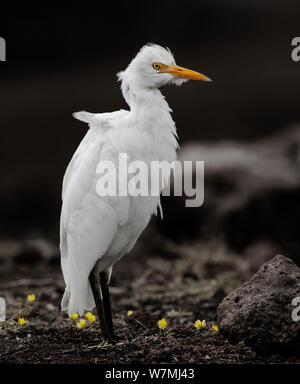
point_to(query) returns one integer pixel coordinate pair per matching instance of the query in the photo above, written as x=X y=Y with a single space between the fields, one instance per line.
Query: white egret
x=95 y=231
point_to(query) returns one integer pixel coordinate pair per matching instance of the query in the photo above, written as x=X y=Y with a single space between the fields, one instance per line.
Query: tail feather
x=78 y=295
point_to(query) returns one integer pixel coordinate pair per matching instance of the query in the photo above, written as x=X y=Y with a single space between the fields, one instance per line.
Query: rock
x=34 y=251
x=250 y=189
x=27 y=254
x=260 y=311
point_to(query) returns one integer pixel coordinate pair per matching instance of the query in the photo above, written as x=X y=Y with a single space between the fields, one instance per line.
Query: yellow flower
x=130 y=312
x=81 y=323
x=74 y=316
x=31 y=298
x=162 y=323
x=200 y=324
x=90 y=317
x=215 y=328
x=22 y=321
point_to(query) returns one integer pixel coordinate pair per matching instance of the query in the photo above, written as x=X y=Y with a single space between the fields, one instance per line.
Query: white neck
x=149 y=109
x=136 y=96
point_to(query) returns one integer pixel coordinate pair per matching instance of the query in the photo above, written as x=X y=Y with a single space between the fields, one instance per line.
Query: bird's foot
x=119 y=338
x=114 y=339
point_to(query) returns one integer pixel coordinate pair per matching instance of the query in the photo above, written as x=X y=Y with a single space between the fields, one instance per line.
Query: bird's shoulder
x=102 y=120
x=91 y=146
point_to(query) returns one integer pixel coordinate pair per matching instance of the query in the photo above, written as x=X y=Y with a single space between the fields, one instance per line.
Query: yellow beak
x=184 y=73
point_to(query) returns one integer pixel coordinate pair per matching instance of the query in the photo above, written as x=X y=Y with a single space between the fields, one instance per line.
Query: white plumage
x=96 y=228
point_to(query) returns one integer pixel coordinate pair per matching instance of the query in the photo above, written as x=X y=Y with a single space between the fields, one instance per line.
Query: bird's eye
x=156 y=66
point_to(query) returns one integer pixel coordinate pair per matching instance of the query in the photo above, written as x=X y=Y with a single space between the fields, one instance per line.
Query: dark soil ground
x=179 y=283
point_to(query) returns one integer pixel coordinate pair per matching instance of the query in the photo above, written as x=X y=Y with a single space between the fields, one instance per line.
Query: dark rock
x=27 y=254
x=260 y=311
x=250 y=190
x=273 y=215
x=33 y=251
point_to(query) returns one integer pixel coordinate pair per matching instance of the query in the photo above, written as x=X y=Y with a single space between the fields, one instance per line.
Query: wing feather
x=88 y=222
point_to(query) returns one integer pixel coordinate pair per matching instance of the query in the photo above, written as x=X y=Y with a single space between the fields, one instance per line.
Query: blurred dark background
x=64 y=58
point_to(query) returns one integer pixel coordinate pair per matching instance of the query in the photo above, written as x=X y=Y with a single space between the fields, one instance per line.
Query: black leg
x=106 y=303
x=95 y=285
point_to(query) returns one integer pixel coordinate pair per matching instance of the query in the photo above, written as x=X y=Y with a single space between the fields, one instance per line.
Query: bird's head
x=155 y=66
